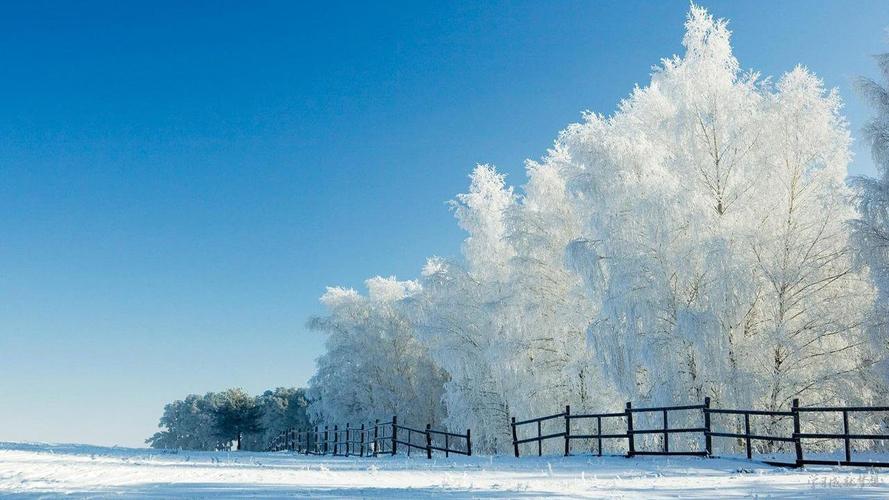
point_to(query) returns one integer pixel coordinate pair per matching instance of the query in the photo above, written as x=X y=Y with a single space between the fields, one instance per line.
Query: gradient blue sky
x=180 y=180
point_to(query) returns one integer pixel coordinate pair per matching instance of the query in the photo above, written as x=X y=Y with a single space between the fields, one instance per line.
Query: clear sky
x=179 y=181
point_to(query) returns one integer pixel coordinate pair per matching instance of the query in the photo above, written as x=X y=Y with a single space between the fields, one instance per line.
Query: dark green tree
x=237 y=414
x=283 y=408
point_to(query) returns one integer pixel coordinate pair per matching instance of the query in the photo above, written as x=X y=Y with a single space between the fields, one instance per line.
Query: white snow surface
x=48 y=471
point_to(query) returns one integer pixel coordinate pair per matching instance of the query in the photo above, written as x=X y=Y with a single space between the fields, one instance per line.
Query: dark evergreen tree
x=237 y=414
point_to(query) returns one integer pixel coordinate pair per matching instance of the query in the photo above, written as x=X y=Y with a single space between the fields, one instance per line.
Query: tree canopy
x=695 y=243
x=216 y=420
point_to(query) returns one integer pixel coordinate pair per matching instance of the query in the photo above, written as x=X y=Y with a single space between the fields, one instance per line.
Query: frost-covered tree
x=695 y=243
x=717 y=219
x=509 y=326
x=374 y=367
x=281 y=409
x=872 y=227
x=189 y=424
x=213 y=421
x=460 y=313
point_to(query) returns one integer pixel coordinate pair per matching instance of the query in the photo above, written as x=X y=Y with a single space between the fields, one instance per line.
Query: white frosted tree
x=189 y=424
x=509 y=325
x=374 y=366
x=872 y=227
x=461 y=315
x=550 y=308
x=696 y=243
x=717 y=224
x=816 y=299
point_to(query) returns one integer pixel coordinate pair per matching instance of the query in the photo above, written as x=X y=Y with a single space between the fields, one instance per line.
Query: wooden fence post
x=846 y=442
x=314 y=441
x=515 y=445
x=747 y=436
x=567 y=430
x=708 y=439
x=394 y=433
x=376 y=434
x=428 y=442
x=361 y=452
x=794 y=408
x=348 y=439
x=468 y=443
x=539 y=441
x=599 y=434
x=336 y=440
x=631 y=448
x=326 y=439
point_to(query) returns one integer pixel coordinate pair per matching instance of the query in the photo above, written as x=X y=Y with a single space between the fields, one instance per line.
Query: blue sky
x=179 y=181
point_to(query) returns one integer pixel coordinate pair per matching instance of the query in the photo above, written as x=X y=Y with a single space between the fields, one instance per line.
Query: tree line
x=230 y=419
x=701 y=241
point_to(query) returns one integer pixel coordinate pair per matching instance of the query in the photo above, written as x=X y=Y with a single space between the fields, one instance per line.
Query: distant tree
x=212 y=421
x=189 y=424
x=281 y=409
x=237 y=414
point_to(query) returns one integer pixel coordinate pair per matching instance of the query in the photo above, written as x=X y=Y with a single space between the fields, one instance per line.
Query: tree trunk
x=239 y=440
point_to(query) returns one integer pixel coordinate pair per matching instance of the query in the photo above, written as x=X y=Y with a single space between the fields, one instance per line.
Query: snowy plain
x=81 y=471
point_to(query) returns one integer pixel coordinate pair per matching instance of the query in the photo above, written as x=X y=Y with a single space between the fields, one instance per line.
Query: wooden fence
x=371 y=440
x=707 y=430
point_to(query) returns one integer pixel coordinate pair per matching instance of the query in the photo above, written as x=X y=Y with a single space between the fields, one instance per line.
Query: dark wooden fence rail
x=665 y=429
x=371 y=440
x=747 y=436
x=705 y=431
x=846 y=436
x=598 y=436
x=540 y=438
x=407 y=439
x=448 y=438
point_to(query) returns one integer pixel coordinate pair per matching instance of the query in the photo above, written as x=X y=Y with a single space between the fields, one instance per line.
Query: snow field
x=40 y=470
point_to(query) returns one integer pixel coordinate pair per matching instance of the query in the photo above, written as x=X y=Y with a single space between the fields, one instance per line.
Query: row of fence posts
x=796 y=437
x=322 y=444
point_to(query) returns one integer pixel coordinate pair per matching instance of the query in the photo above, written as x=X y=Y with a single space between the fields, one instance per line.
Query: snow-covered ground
x=37 y=470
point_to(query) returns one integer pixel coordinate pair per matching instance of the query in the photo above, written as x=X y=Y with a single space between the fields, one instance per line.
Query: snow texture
x=42 y=470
